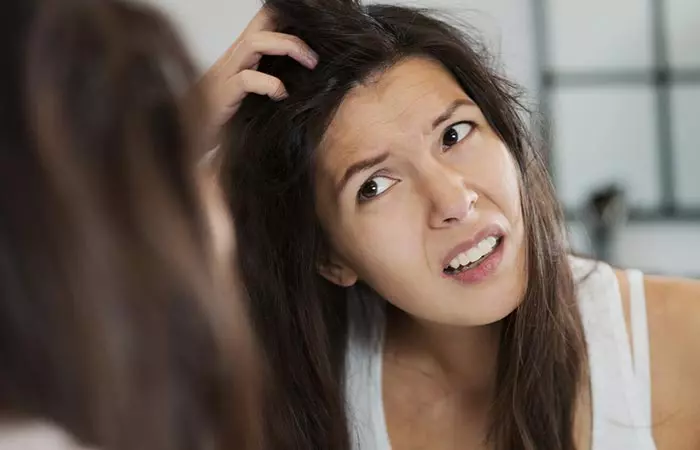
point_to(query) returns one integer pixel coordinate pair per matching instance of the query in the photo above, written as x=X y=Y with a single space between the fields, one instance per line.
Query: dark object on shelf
x=605 y=213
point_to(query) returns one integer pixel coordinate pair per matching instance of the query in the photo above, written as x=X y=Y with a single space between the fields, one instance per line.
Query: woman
x=118 y=329
x=400 y=242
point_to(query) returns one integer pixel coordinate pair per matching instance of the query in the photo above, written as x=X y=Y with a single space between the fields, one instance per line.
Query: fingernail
x=312 y=57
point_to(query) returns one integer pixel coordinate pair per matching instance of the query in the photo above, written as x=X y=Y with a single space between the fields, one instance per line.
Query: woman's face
x=420 y=199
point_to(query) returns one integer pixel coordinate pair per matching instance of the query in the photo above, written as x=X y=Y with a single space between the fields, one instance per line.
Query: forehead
x=403 y=100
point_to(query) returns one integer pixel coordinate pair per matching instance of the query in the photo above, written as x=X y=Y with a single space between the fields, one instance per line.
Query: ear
x=337 y=272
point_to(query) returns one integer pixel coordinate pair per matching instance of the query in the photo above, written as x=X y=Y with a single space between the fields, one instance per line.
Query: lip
x=494 y=230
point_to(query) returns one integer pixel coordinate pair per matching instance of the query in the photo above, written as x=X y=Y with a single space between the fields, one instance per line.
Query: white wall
x=661 y=247
x=210 y=26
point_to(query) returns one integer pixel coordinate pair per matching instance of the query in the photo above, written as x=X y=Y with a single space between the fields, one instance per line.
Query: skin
x=436 y=196
x=436 y=391
x=432 y=197
x=673 y=315
x=234 y=75
x=218 y=218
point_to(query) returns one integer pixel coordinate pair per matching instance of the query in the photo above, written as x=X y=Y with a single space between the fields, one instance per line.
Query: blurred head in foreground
x=118 y=322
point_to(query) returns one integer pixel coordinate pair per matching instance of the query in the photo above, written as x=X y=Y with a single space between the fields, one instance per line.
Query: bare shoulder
x=673 y=314
x=665 y=292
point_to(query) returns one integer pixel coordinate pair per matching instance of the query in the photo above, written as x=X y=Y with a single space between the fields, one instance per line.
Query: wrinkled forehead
x=397 y=104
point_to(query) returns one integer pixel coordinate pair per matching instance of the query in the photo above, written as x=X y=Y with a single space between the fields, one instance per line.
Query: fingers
x=235 y=74
x=227 y=97
x=262 y=21
x=278 y=44
x=232 y=93
x=253 y=82
x=229 y=61
x=248 y=50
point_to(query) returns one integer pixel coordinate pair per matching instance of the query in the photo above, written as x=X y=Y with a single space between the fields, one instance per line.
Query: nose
x=451 y=199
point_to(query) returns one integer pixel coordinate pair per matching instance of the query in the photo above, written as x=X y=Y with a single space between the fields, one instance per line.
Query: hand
x=235 y=73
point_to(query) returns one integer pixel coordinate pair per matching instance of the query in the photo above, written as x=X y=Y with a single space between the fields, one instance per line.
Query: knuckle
x=245 y=77
x=245 y=45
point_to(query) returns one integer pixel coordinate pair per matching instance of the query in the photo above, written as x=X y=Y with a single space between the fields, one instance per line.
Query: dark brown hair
x=302 y=319
x=113 y=323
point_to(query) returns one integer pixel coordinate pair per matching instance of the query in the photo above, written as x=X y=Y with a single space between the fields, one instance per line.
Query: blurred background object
x=618 y=88
x=604 y=215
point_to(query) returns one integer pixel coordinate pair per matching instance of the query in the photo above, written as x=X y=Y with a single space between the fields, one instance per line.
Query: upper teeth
x=475 y=253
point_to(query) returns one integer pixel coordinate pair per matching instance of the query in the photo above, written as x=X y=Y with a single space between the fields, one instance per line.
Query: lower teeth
x=468 y=266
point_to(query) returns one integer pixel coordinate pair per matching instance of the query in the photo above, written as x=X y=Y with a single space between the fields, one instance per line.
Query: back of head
x=300 y=316
x=114 y=323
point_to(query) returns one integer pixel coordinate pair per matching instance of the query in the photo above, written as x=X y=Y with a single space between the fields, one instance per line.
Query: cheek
x=383 y=244
x=503 y=182
x=391 y=261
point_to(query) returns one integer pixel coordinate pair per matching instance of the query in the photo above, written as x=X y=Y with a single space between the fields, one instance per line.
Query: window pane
x=605 y=135
x=599 y=34
x=686 y=123
x=683 y=25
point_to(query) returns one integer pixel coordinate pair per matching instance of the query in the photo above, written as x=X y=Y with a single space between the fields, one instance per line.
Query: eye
x=455 y=133
x=375 y=187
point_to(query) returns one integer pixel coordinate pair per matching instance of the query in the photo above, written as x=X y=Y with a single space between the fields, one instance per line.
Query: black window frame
x=660 y=77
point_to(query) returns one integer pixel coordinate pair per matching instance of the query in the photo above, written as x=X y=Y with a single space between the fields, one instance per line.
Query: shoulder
x=673 y=316
x=35 y=436
x=673 y=295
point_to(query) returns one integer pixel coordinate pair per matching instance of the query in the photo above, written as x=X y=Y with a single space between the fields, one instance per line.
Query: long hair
x=301 y=318
x=114 y=325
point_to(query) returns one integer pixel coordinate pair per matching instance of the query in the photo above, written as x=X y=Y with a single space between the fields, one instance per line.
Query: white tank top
x=620 y=389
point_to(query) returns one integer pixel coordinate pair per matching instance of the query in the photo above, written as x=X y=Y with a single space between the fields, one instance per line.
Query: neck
x=465 y=358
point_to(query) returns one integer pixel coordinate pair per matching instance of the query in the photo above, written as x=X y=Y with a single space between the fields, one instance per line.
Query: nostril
x=452 y=201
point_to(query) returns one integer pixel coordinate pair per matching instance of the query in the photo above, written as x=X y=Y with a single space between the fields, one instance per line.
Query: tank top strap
x=618 y=419
x=640 y=343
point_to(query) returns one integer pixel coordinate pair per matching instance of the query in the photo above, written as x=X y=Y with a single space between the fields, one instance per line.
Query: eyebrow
x=371 y=162
x=451 y=110
x=359 y=167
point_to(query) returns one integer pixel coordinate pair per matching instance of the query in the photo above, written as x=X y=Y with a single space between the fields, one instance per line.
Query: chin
x=483 y=314
x=479 y=306
x=488 y=301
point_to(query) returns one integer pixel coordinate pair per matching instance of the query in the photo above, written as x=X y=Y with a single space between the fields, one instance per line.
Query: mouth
x=473 y=256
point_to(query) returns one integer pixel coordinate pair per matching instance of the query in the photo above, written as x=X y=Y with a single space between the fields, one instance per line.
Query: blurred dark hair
x=114 y=325
x=302 y=319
